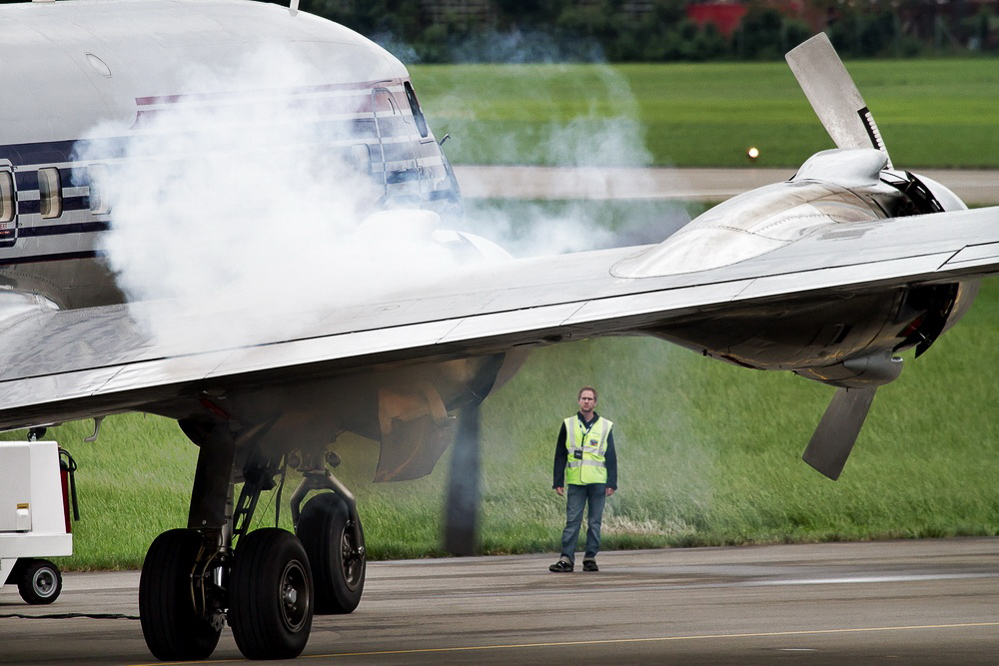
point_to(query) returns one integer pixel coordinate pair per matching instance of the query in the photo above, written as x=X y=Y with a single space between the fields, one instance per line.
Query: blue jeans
x=576 y=496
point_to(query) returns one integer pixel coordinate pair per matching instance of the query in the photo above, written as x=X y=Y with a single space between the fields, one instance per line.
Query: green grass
x=709 y=455
x=932 y=113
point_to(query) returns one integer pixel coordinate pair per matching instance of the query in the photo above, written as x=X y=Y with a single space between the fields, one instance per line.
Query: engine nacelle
x=921 y=195
x=931 y=196
x=861 y=372
x=942 y=194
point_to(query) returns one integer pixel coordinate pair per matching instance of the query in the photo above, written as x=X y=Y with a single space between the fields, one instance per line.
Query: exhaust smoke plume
x=235 y=203
x=593 y=127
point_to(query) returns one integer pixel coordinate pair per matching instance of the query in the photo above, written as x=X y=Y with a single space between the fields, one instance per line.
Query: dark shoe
x=590 y=565
x=561 y=567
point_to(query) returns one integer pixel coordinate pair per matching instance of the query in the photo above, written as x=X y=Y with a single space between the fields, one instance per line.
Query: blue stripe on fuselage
x=41 y=258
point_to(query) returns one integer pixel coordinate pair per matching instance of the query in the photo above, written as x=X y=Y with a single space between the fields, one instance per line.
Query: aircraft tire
x=328 y=537
x=172 y=627
x=39 y=582
x=270 y=595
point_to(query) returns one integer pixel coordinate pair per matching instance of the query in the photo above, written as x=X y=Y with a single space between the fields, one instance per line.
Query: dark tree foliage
x=531 y=31
x=624 y=30
x=766 y=34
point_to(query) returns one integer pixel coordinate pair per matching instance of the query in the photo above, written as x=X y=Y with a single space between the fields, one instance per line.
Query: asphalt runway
x=906 y=602
x=974 y=187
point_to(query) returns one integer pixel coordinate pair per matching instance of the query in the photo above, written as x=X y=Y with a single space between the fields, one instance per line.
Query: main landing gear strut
x=266 y=584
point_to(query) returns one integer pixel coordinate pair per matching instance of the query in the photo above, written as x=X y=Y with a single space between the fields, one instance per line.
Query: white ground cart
x=34 y=517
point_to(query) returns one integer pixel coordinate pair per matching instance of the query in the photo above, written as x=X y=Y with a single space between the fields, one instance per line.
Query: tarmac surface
x=974 y=187
x=906 y=602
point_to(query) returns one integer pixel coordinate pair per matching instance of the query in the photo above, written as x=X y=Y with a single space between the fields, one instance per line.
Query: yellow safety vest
x=590 y=466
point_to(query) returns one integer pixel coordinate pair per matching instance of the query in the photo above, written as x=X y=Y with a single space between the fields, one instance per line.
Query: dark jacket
x=562 y=456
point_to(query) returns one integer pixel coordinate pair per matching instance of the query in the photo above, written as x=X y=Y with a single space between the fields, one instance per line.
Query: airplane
x=115 y=112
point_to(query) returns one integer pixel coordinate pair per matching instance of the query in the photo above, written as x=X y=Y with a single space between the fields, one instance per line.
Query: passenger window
x=97 y=180
x=50 y=192
x=6 y=196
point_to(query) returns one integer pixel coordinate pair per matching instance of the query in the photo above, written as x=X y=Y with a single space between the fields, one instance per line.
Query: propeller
x=834 y=96
x=461 y=510
x=837 y=432
x=844 y=113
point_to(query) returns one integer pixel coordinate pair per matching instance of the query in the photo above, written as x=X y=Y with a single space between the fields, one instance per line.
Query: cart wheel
x=40 y=582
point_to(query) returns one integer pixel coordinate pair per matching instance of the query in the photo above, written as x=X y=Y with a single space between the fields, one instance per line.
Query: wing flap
x=974 y=255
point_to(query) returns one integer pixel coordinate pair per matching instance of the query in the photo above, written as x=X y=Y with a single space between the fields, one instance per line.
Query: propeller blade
x=834 y=96
x=462 y=509
x=837 y=432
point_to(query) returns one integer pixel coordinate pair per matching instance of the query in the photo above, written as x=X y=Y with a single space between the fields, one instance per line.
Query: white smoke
x=601 y=138
x=234 y=203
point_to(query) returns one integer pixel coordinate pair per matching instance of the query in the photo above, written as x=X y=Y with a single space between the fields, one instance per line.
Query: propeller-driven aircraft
x=828 y=275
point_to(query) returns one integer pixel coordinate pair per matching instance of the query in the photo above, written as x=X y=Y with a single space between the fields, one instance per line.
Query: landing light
x=753 y=152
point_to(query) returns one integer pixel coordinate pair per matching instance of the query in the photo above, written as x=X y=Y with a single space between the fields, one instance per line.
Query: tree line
x=656 y=30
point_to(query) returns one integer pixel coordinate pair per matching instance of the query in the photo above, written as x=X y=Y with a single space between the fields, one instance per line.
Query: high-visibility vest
x=590 y=466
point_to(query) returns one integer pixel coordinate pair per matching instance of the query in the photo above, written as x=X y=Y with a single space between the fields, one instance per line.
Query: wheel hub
x=350 y=557
x=294 y=596
x=44 y=583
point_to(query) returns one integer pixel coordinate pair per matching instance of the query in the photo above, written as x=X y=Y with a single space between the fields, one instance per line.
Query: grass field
x=709 y=454
x=932 y=113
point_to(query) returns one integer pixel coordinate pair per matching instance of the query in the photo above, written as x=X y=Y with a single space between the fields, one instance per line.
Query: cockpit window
x=6 y=196
x=414 y=105
x=50 y=192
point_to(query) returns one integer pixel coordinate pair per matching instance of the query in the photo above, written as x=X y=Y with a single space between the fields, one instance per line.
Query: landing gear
x=174 y=628
x=336 y=552
x=330 y=530
x=182 y=599
x=261 y=582
x=39 y=582
x=270 y=595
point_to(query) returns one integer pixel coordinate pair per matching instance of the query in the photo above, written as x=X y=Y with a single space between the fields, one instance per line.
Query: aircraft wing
x=62 y=365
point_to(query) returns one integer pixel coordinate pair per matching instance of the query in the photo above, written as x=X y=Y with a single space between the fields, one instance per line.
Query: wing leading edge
x=74 y=364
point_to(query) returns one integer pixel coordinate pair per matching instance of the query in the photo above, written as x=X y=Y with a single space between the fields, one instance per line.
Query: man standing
x=586 y=463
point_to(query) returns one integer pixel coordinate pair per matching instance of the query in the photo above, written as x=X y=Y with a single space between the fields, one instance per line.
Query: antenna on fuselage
x=293 y=7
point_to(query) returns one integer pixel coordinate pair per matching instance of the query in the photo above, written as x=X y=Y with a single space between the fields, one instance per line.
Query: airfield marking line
x=614 y=641
x=618 y=641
